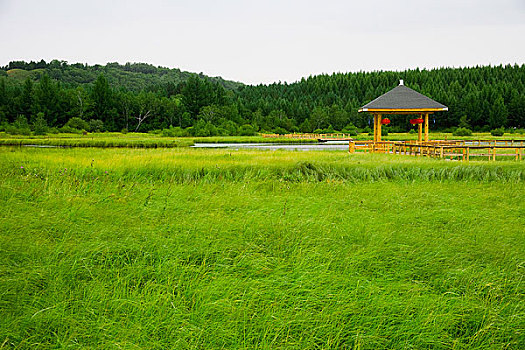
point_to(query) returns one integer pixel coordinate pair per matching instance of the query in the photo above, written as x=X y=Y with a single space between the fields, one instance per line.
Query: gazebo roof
x=403 y=99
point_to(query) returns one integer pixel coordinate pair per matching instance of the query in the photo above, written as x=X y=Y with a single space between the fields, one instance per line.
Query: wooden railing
x=461 y=150
x=335 y=136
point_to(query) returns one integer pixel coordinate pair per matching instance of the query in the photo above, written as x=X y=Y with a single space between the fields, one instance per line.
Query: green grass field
x=213 y=248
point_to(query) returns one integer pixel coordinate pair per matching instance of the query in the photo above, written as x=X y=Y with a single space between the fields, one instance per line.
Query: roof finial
x=400 y=81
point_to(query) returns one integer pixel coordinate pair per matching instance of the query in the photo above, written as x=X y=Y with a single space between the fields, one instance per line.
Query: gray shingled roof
x=402 y=97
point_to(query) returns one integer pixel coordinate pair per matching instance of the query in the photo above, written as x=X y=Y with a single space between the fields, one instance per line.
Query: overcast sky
x=267 y=40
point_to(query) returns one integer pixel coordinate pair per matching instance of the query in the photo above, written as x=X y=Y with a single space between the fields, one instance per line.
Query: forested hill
x=132 y=76
x=142 y=97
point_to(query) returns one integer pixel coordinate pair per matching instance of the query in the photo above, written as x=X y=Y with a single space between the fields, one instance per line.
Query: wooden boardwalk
x=449 y=149
x=319 y=137
x=455 y=150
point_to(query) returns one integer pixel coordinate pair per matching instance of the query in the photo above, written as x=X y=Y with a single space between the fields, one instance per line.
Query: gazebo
x=402 y=100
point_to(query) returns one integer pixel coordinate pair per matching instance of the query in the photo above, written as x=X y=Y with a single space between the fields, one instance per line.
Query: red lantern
x=416 y=121
x=385 y=121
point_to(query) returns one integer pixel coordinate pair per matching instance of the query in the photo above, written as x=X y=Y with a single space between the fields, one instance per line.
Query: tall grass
x=107 y=248
x=216 y=165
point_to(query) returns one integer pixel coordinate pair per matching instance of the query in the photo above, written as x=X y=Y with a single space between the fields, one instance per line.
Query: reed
x=183 y=165
x=188 y=248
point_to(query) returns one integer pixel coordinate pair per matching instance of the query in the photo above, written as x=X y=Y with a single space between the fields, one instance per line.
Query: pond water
x=324 y=146
x=321 y=146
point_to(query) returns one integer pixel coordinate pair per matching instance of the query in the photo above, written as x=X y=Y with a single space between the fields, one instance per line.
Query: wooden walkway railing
x=335 y=136
x=460 y=150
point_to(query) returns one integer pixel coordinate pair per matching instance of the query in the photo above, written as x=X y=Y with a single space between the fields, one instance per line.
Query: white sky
x=267 y=40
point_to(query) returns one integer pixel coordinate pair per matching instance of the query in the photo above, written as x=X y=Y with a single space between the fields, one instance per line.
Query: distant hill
x=132 y=76
x=482 y=98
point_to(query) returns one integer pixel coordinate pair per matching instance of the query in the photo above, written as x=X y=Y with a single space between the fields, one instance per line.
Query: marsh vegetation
x=190 y=248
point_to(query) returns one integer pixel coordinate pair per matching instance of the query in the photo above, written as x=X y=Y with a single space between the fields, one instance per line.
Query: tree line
x=480 y=98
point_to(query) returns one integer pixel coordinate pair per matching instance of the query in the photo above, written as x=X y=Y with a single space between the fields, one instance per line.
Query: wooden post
x=517 y=153
x=468 y=154
x=375 y=127
x=419 y=130
x=494 y=153
x=426 y=127
x=351 y=146
x=378 y=128
x=441 y=152
x=379 y=118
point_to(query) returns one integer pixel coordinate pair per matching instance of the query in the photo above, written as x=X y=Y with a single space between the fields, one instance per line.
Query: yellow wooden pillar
x=375 y=128
x=379 y=117
x=426 y=127
x=420 y=130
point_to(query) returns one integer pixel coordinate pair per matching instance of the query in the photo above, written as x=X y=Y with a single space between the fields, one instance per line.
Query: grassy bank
x=185 y=248
x=97 y=143
x=250 y=139
x=131 y=140
x=97 y=140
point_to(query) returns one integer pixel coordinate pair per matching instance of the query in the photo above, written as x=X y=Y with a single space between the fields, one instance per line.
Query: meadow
x=217 y=248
